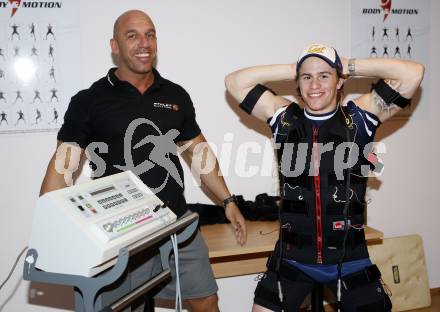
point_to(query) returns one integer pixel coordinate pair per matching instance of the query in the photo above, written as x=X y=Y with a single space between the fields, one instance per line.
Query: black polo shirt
x=116 y=114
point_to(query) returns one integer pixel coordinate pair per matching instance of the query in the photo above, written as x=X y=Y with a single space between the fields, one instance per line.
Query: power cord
x=13 y=267
x=178 y=305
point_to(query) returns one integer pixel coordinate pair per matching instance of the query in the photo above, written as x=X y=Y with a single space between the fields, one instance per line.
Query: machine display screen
x=110 y=188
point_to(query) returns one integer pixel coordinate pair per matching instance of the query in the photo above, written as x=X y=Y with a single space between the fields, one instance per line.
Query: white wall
x=199 y=43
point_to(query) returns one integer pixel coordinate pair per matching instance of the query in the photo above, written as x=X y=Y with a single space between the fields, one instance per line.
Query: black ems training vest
x=314 y=193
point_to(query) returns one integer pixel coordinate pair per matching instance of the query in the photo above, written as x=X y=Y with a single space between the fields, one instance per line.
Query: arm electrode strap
x=389 y=95
x=252 y=97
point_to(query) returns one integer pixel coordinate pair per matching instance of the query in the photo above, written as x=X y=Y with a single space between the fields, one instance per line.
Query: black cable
x=13 y=267
x=345 y=214
x=280 y=257
x=344 y=241
x=267 y=233
x=280 y=239
x=280 y=242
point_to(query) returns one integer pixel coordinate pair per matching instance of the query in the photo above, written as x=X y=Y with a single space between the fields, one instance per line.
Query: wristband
x=252 y=97
x=389 y=95
x=228 y=200
x=351 y=67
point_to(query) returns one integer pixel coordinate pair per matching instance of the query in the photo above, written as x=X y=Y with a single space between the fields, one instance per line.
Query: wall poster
x=39 y=63
x=393 y=29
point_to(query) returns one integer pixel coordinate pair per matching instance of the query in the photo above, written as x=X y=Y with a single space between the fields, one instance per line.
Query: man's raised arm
x=400 y=79
x=247 y=87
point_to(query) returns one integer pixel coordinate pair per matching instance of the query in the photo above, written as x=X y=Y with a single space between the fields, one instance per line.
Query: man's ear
x=340 y=82
x=114 y=46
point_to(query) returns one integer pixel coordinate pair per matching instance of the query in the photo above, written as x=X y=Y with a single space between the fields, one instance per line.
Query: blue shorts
x=296 y=285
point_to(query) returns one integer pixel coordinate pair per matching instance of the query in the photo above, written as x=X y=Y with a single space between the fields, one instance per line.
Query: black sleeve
x=190 y=128
x=76 y=126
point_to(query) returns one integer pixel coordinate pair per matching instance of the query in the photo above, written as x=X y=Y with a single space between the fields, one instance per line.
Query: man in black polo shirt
x=132 y=119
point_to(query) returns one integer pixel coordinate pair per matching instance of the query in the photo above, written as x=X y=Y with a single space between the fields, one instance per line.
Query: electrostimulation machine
x=79 y=230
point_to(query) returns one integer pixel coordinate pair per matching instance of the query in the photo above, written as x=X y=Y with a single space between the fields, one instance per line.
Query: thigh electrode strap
x=252 y=97
x=267 y=295
x=286 y=271
x=383 y=305
x=389 y=95
x=367 y=275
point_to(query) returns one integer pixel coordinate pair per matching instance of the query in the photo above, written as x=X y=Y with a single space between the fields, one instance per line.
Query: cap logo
x=316 y=49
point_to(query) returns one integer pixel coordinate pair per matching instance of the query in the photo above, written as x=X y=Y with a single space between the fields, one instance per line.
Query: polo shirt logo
x=173 y=107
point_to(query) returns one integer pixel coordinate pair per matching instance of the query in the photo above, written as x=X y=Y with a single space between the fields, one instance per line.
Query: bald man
x=134 y=101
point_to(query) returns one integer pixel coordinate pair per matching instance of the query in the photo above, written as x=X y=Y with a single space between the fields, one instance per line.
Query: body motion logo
x=17 y=4
x=385 y=8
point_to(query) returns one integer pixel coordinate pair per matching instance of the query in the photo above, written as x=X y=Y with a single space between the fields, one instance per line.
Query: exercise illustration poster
x=392 y=29
x=39 y=57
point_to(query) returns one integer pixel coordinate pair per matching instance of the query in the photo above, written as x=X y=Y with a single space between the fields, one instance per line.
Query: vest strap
x=296 y=239
x=305 y=180
x=301 y=180
x=296 y=133
x=337 y=209
x=295 y=206
x=354 y=179
x=354 y=239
